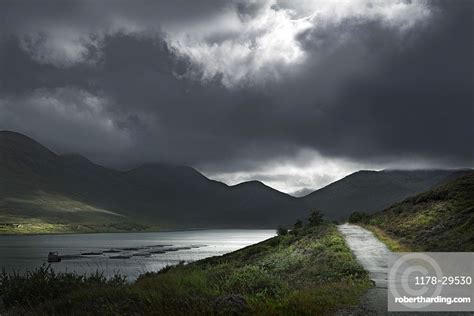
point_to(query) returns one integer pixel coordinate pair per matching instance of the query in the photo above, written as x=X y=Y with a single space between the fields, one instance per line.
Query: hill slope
x=38 y=185
x=370 y=191
x=441 y=219
x=40 y=188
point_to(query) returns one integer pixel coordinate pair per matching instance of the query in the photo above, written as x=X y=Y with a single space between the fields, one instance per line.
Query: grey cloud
x=60 y=115
x=302 y=192
x=376 y=97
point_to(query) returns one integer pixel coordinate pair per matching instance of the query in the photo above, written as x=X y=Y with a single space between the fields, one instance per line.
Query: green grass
x=47 y=213
x=39 y=227
x=310 y=271
x=392 y=243
x=441 y=219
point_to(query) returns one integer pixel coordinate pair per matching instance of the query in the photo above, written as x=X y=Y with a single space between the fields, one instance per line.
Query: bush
x=253 y=280
x=298 y=224
x=44 y=284
x=316 y=218
x=281 y=231
x=358 y=217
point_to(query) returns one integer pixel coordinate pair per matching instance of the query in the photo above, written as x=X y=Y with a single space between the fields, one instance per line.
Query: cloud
x=239 y=49
x=62 y=47
x=239 y=41
x=294 y=93
x=242 y=48
x=308 y=170
x=68 y=114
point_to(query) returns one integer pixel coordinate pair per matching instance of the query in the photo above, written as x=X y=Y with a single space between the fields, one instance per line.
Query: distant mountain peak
x=5 y=134
x=369 y=191
x=257 y=185
x=160 y=167
x=254 y=183
x=160 y=192
x=16 y=142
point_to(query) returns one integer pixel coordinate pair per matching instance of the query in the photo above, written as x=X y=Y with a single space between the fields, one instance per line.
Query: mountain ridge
x=369 y=191
x=167 y=195
x=154 y=192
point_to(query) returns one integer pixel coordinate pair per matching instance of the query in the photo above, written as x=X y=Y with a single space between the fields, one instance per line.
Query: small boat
x=54 y=257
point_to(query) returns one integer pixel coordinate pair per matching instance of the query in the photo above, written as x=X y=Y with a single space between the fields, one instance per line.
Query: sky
x=294 y=93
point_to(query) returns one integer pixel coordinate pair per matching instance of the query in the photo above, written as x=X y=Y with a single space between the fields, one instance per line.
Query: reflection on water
x=130 y=254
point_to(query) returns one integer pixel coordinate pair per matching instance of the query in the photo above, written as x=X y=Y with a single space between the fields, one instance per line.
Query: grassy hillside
x=42 y=192
x=441 y=219
x=310 y=271
x=64 y=191
x=371 y=191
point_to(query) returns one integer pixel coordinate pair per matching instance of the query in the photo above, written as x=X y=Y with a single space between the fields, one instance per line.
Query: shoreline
x=134 y=231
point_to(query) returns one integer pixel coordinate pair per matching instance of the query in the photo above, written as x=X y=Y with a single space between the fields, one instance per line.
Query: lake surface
x=130 y=254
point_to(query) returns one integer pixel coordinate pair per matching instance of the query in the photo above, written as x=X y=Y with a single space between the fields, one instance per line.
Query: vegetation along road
x=372 y=254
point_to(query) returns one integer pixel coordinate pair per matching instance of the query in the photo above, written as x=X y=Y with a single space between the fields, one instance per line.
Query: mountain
x=40 y=188
x=39 y=185
x=440 y=219
x=370 y=191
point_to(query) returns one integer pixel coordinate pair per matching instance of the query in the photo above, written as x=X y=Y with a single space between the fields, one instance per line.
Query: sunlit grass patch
x=392 y=244
x=438 y=220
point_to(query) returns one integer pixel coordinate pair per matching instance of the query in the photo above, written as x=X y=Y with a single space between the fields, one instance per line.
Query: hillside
x=370 y=191
x=41 y=192
x=41 y=187
x=441 y=219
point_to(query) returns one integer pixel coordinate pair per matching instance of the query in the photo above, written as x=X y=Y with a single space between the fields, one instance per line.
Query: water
x=22 y=253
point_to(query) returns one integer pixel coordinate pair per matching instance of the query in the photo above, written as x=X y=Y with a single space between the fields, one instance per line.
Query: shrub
x=254 y=280
x=358 y=217
x=43 y=284
x=316 y=218
x=281 y=231
x=298 y=224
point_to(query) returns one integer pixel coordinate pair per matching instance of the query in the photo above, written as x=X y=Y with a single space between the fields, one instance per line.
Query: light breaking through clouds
x=294 y=93
x=254 y=41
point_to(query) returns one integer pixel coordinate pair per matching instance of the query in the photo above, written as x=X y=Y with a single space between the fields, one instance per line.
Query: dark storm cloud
x=419 y=99
x=124 y=89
